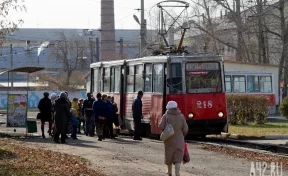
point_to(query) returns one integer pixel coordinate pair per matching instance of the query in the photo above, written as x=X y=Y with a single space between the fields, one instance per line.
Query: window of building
x=175 y=81
x=138 y=78
x=107 y=80
x=130 y=79
x=158 y=78
x=228 y=83
x=238 y=84
x=266 y=84
x=253 y=84
x=148 y=78
x=117 y=79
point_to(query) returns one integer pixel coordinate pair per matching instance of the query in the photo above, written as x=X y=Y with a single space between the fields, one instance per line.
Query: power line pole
x=143 y=29
x=121 y=48
x=11 y=65
x=97 y=50
x=91 y=50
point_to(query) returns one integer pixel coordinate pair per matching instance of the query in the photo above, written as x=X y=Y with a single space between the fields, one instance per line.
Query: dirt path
x=125 y=157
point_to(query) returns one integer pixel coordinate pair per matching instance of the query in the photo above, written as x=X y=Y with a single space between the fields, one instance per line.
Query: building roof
x=249 y=63
x=44 y=34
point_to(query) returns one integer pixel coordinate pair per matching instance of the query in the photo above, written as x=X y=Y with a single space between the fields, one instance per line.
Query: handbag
x=38 y=117
x=186 y=156
x=168 y=131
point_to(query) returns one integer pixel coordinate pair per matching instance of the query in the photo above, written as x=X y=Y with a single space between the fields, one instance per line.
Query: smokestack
x=107 y=45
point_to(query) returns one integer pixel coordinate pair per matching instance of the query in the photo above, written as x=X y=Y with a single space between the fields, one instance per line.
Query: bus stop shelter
x=17 y=102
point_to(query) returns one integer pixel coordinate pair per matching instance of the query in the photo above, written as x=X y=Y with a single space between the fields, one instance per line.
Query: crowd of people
x=66 y=117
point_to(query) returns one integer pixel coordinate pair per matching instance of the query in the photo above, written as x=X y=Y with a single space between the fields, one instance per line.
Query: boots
x=177 y=169
x=42 y=129
x=169 y=172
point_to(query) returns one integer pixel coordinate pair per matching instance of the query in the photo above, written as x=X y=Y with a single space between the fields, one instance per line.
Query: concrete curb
x=12 y=134
x=242 y=137
x=275 y=137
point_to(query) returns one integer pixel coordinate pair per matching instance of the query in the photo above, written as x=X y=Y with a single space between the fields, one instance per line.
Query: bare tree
x=69 y=54
x=6 y=24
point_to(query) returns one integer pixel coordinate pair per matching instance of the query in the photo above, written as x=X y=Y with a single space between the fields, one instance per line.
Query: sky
x=82 y=14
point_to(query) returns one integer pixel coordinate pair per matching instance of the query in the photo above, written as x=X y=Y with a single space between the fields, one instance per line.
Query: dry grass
x=18 y=161
x=259 y=130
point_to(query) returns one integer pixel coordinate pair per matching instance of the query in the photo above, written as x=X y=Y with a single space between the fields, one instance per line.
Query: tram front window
x=203 y=77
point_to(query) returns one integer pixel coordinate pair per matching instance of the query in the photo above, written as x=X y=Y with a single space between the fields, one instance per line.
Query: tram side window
x=117 y=79
x=130 y=79
x=138 y=78
x=238 y=84
x=148 y=78
x=97 y=80
x=253 y=84
x=175 y=81
x=228 y=83
x=106 y=84
x=112 y=79
x=158 y=78
x=266 y=84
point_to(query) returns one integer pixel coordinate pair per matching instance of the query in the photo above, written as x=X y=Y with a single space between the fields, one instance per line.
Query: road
x=125 y=157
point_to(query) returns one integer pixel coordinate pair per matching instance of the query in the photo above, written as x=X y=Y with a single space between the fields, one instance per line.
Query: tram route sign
x=202 y=66
x=204 y=104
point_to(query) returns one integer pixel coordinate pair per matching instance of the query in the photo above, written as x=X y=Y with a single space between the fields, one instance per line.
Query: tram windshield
x=203 y=77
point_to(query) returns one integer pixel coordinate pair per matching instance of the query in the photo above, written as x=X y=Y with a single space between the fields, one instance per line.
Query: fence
x=35 y=96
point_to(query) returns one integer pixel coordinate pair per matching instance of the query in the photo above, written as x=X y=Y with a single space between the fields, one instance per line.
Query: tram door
x=158 y=97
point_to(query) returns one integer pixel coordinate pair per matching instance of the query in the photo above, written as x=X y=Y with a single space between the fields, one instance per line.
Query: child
x=74 y=124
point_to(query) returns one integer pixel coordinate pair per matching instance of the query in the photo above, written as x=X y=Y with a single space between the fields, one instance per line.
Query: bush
x=243 y=108
x=283 y=108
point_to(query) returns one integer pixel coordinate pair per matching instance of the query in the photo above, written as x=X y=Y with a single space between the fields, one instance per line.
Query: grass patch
x=259 y=130
x=16 y=160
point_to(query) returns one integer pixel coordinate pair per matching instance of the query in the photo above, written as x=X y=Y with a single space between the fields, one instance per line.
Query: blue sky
x=77 y=13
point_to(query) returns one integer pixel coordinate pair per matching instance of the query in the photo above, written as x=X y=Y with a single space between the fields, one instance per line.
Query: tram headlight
x=191 y=115
x=220 y=114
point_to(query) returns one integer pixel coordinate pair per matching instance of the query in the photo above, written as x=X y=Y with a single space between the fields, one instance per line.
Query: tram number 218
x=204 y=104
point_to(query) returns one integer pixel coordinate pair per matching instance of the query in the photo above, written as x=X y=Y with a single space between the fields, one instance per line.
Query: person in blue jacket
x=137 y=115
x=101 y=114
x=108 y=127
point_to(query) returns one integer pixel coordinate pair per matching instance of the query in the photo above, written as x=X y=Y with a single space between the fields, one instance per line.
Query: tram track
x=271 y=149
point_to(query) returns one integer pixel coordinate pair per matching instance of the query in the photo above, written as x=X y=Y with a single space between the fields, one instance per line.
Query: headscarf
x=53 y=97
x=171 y=105
x=63 y=95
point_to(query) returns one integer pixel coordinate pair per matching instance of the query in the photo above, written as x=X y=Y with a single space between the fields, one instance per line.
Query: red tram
x=196 y=83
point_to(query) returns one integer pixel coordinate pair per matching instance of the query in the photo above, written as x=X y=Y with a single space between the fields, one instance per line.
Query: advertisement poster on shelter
x=17 y=110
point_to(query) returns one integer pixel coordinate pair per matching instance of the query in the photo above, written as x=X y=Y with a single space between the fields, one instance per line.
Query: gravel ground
x=125 y=157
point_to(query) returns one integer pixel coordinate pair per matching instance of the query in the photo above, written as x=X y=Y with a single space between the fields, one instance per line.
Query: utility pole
x=11 y=62
x=143 y=29
x=91 y=49
x=97 y=50
x=121 y=48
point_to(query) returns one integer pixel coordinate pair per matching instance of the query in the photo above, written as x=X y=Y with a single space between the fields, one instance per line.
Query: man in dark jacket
x=87 y=110
x=45 y=108
x=101 y=114
x=137 y=115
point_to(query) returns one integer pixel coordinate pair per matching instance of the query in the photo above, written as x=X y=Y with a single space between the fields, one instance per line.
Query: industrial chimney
x=107 y=45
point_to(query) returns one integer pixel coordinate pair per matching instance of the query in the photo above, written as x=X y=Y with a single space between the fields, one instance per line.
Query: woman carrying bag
x=174 y=144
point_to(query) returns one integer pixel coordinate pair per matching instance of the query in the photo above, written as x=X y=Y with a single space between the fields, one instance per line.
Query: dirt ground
x=125 y=157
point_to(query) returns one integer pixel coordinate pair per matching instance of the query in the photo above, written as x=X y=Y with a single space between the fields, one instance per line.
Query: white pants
x=177 y=169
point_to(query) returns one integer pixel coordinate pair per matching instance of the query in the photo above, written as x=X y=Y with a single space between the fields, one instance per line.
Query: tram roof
x=153 y=59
